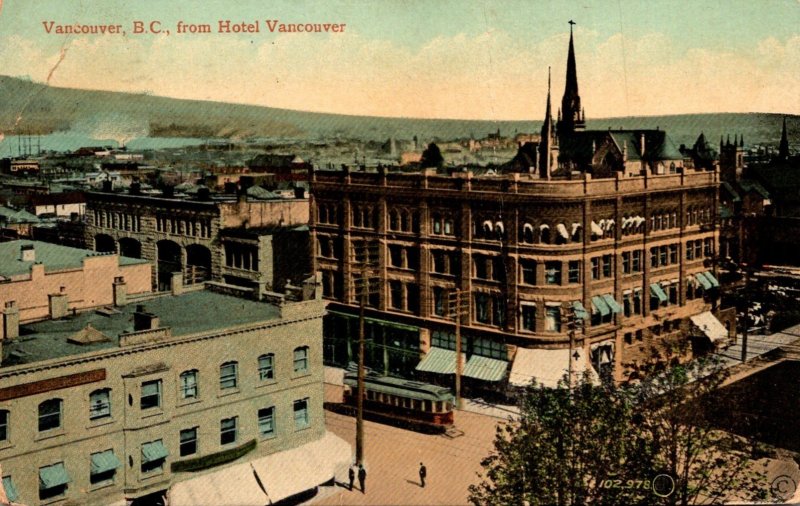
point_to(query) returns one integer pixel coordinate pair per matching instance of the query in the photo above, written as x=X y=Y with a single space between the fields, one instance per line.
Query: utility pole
x=457 y=307
x=574 y=323
x=368 y=263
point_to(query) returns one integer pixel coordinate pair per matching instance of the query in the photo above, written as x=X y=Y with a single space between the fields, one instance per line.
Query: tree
x=608 y=444
x=431 y=157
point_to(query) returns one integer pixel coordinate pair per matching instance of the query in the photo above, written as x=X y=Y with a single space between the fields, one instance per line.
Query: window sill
x=188 y=402
x=267 y=437
x=49 y=434
x=152 y=474
x=267 y=383
x=228 y=391
x=301 y=375
x=54 y=500
x=99 y=422
x=100 y=486
x=300 y=429
x=149 y=413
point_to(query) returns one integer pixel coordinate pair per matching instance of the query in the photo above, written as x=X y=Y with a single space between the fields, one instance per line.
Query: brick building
x=625 y=243
x=247 y=240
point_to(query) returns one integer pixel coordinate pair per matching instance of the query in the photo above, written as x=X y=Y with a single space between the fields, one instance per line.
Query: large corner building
x=605 y=226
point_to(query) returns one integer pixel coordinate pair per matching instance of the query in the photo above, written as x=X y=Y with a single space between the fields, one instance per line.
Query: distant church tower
x=548 y=147
x=731 y=159
x=783 y=147
x=572 y=117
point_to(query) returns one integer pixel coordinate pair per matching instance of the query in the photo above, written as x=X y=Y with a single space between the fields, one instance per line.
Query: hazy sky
x=478 y=59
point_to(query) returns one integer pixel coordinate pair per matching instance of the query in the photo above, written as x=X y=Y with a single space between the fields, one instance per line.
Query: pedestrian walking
x=423 y=472
x=351 y=473
x=362 y=478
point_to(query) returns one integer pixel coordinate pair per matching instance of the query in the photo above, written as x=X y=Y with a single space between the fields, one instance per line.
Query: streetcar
x=409 y=404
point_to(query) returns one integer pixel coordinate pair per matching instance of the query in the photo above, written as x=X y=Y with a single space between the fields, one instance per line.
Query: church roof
x=657 y=145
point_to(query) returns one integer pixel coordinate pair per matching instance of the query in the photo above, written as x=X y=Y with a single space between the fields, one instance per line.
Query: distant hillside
x=27 y=107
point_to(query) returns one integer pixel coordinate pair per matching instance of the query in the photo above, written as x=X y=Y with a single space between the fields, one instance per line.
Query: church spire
x=783 y=147
x=548 y=144
x=572 y=113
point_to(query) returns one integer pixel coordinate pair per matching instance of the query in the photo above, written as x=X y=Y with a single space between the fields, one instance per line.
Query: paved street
x=393 y=456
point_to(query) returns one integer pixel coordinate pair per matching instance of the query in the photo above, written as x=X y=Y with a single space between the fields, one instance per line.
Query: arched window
x=449 y=229
x=405 y=221
x=394 y=220
x=544 y=234
x=577 y=232
x=487 y=229
x=527 y=233
x=50 y=412
x=437 y=223
x=100 y=404
x=500 y=230
x=301 y=360
x=188 y=383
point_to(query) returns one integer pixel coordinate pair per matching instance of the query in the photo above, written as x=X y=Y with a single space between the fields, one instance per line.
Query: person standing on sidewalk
x=362 y=478
x=423 y=472
x=351 y=473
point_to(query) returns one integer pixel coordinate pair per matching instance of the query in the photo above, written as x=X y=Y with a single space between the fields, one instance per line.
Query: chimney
x=120 y=291
x=142 y=320
x=11 y=320
x=59 y=304
x=27 y=253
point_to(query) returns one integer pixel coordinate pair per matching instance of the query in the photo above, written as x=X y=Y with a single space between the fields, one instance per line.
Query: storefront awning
x=562 y=231
x=547 y=367
x=600 y=305
x=580 y=311
x=657 y=291
x=710 y=326
x=703 y=280
x=268 y=479
x=10 y=489
x=713 y=280
x=440 y=361
x=596 y=229
x=153 y=451
x=53 y=476
x=612 y=304
x=485 y=368
x=104 y=461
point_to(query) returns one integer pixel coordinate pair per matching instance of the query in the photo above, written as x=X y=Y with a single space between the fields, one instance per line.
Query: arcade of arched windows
x=403 y=220
x=698 y=215
x=328 y=213
x=365 y=216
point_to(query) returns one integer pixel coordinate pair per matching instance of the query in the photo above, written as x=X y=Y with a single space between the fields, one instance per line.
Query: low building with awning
x=711 y=327
x=548 y=367
x=269 y=479
x=440 y=361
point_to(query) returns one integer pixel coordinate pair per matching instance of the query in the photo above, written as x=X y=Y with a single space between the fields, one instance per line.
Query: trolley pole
x=458 y=306
x=368 y=264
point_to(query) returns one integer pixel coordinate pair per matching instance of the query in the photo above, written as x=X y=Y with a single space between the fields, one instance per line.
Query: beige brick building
x=116 y=404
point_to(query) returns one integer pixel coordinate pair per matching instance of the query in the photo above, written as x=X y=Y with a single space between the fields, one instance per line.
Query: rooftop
x=185 y=314
x=54 y=257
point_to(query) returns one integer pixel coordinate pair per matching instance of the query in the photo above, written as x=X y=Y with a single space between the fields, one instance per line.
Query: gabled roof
x=726 y=186
x=9 y=215
x=748 y=185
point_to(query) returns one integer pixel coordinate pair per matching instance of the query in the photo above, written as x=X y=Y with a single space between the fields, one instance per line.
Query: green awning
x=600 y=306
x=612 y=304
x=703 y=280
x=53 y=476
x=153 y=451
x=485 y=368
x=656 y=290
x=580 y=311
x=10 y=488
x=104 y=461
x=440 y=361
x=710 y=277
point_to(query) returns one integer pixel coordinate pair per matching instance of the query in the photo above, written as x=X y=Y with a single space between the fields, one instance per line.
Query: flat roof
x=54 y=257
x=189 y=313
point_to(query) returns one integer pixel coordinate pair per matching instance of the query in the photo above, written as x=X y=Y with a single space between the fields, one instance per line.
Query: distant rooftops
x=17 y=257
x=185 y=314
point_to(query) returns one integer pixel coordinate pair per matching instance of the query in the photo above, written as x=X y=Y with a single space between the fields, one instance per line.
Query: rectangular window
x=301 y=418
x=607 y=263
x=673 y=293
x=708 y=249
x=396 y=294
x=395 y=255
x=689 y=251
x=482 y=307
x=627 y=304
x=637 y=301
x=151 y=395
x=628 y=337
x=528 y=271
x=266 y=367
x=53 y=481
x=4 y=416
x=626 y=262
x=574 y=272
x=698 y=249
x=50 y=414
x=301 y=360
x=636 y=261
x=552 y=273
x=266 y=421
x=188 y=384
x=673 y=254
x=654 y=257
x=227 y=430
x=100 y=404
x=552 y=318
x=529 y=317
x=498 y=269
x=188 y=441
x=439 y=301
x=498 y=311
x=596 y=268
x=662 y=255
x=481 y=270
x=228 y=375
x=439 y=262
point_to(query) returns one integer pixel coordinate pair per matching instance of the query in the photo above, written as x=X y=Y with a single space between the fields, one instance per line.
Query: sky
x=467 y=59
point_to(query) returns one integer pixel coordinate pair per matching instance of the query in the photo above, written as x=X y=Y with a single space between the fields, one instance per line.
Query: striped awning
x=104 y=461
x=710 y=277
x=612 y=304
x=600 y=305
x=485 y=368
x=580 y=311
x=440 y=361
x=10 y=489
x=703 y=280
x=656 y=290
x=53 y=476
x=153 y=451
x=710 y=326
